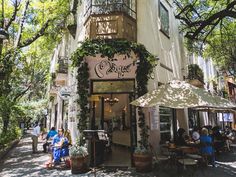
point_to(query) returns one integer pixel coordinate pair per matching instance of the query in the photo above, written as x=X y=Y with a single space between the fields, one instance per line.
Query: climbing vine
x=108 y=48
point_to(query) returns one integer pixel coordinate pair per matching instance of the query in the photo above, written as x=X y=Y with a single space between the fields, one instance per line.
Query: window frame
x=162 y=7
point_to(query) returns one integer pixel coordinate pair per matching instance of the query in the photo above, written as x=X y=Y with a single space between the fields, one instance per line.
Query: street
x=22 y=162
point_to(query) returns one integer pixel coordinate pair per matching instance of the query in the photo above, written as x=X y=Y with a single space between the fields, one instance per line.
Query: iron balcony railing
x=63 y=65
x=96 y=7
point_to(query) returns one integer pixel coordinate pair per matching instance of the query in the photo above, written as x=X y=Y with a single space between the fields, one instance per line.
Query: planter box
x=143 y=162
x=79 y=164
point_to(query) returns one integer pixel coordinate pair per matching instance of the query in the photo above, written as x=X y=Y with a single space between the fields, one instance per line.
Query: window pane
x=164 y=17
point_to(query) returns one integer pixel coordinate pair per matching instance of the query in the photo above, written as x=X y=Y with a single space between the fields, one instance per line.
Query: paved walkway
x=21 y=162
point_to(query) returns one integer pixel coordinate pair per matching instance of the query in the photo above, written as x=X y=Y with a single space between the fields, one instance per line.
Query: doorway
x=111 y=112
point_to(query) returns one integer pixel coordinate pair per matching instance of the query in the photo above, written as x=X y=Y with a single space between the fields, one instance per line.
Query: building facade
x=112 y=81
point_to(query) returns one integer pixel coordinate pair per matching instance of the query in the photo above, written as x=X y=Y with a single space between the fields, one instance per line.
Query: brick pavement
x=21 y=162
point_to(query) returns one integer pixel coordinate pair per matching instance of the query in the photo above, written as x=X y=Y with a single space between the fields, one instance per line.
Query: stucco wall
x=169 y=50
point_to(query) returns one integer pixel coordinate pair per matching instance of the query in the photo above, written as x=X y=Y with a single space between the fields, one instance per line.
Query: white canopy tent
x=180 y=94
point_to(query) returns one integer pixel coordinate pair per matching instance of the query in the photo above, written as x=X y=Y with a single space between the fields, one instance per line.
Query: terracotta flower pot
x=79 y=164
x=143 y=162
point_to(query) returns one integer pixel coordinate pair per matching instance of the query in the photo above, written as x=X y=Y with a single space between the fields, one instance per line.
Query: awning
x=180 y=94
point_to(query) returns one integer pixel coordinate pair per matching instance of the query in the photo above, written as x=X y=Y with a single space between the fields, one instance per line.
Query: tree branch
x=201 y=24
x=40 y=33
x=21 y=24
x=19 y=95
x=13 y=17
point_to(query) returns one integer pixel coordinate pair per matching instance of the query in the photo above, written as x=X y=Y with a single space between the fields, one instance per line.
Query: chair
x=189 y=163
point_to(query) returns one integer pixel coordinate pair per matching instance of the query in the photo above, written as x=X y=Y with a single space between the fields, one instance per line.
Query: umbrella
x=180 y=94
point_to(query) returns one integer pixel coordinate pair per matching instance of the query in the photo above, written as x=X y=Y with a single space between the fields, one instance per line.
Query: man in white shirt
x=35 y=135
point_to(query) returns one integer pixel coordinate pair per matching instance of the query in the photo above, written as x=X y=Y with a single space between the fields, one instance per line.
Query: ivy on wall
x=108 y=48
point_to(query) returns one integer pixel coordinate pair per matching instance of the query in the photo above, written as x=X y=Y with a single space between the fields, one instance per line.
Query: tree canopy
x=29 y=31
x=209 y=26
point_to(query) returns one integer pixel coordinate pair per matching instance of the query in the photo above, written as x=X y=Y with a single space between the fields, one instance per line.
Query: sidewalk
x=21 y=162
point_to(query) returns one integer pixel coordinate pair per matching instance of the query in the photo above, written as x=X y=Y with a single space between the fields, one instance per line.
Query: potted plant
x=142 y=156
x=78 y=159
x=142 y=159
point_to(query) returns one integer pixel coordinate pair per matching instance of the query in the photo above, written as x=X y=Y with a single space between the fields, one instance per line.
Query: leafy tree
x=209 y=26
x=29 y=31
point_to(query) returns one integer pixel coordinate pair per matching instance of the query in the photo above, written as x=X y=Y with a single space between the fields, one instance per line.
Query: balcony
x=63 y=65
x=112 y=19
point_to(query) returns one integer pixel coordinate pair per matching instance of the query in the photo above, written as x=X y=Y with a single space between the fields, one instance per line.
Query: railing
x=110 y=6
x=63 y=65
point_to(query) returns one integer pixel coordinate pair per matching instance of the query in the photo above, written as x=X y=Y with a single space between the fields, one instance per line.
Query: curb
x=10 y=146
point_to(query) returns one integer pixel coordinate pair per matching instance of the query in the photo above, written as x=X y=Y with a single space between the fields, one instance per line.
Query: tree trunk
x=6 y=119
x=5 y=124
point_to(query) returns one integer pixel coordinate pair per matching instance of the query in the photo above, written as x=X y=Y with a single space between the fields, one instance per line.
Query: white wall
x=169 y=50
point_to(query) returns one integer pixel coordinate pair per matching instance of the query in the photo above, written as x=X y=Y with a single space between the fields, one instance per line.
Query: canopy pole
x=223 y=121
x=208 y=115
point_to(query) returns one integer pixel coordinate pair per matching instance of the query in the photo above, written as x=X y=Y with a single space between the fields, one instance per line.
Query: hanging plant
x=108 y=48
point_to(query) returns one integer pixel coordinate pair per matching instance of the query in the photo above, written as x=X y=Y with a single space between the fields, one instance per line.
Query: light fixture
x=111 y=101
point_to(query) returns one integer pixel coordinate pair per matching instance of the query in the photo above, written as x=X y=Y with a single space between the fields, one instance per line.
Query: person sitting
x=229 y=137
x=48 y=138
x=181 y=137
x=60 y=146
x=218 y=139
x=59 y=149
x=195 y=135
x=206 y=148
x=68 y=136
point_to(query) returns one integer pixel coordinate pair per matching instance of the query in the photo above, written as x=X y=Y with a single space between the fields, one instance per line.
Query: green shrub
x=10 y=135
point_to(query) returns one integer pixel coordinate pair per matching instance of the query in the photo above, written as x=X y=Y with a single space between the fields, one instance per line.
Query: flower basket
x=142 y=160
x=78 y=159
x=79 y=164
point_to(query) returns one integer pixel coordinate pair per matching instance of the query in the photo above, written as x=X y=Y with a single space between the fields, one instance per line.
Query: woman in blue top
x=49 y=137
x=206 y=145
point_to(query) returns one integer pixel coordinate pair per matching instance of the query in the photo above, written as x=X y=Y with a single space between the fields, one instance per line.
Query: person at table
x=218 y=139
x=206 y=147
x=181 y=137
x=48 y=138
x=195 y=135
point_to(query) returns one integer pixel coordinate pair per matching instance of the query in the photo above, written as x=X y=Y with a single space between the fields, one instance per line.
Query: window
x=165 y=124
x=164 y=18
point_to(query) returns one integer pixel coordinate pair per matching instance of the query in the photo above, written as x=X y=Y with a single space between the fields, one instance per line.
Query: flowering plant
x=77 y=150
x=141 y=150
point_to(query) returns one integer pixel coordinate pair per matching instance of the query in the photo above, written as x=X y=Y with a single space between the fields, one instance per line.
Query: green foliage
x=7 y=137
x=221 y=48
x=209 y=28
x=195 y=72
x=24 y=72
x=108 y=48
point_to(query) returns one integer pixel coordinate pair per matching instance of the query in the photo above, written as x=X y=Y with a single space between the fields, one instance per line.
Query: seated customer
x=181 y=137
x=68 y=136
x=49 y=137
x=206 y=148
x=218 y=139
x=60 y=146
x=195 y=135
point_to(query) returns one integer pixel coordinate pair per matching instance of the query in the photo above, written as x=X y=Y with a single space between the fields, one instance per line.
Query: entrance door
x=113 y=113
